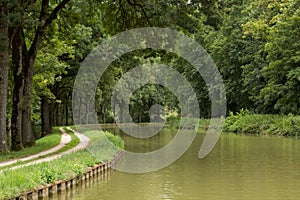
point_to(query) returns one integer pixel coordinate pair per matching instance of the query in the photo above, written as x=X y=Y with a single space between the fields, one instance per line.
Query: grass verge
x=30 y=177
x=74 y=142
x=42 y=144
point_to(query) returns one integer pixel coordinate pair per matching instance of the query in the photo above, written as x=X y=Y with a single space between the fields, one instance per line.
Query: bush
x=49 y=175
x=243 y=122
x=173 y=121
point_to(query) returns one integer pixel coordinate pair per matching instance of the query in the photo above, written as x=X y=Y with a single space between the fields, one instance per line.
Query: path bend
x=84 y=142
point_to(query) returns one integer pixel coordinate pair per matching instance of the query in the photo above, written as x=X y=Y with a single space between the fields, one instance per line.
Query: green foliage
x=49 y=175
x=286 y=125
x=116 y=140
x=282 y=73
x=78 y=170
x=233 y=118
x=173 y=120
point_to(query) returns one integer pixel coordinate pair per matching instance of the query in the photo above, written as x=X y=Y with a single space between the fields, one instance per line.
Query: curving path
x=66 y=138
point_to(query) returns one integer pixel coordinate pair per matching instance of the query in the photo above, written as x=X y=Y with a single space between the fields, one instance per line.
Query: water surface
x=240 y=167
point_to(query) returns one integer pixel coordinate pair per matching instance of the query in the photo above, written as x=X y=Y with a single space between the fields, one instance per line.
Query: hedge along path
x=65 y=139
x=84 y=142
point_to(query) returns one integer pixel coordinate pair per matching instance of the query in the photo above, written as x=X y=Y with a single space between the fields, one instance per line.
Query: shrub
x=49 y=175
x=286 y=125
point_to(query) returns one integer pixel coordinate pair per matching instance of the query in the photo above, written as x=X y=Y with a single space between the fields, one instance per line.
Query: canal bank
x=14 y=182
x=94 y=173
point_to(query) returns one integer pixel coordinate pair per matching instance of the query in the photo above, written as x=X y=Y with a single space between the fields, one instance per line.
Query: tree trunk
x=51 y=115
x=27 y=134
x=4 y=66
x=56 y=114
x=17 y=60
x=121 y=111
x=103 y=113
x=45 y=112
x=62 y=114
x=87 y=113
x=79 y=113
x=140 y=116
x=67 y=110
x=114 y=113
x=46 y=19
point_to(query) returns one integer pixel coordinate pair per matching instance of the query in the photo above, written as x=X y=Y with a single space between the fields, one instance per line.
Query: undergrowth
x=245 y=122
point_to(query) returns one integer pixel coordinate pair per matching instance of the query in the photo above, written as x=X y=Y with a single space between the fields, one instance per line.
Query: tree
x=283 y=73
x=4 y=66
x=24 y=60
x=49 y=68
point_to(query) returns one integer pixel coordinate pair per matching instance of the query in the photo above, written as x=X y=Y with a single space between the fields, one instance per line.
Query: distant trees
x=257 y=51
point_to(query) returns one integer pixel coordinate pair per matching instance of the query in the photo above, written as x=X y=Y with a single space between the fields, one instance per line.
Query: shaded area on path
x=66 y=138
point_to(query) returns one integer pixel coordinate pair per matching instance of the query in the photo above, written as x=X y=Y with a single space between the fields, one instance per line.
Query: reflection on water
x=240 y=167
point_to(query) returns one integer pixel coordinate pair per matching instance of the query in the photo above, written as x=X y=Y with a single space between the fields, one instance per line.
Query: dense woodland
x=254 y=43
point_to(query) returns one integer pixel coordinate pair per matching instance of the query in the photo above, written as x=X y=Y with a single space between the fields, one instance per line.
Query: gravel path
x=84 y=142
x=65 y=139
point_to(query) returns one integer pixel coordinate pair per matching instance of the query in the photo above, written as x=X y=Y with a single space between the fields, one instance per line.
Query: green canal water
x=240 y=167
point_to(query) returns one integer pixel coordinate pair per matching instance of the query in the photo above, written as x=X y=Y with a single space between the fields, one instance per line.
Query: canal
x=240 y=167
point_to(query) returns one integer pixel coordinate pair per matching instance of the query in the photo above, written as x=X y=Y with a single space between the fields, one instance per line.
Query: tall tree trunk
x=67 y=110
x=45 y=20
x=56 y=114
x=103 y=113
x=45 y=112
x=27 y=134
x=114 y=113
x=51 y=116
x=140 y=116
x=17 y=60
x=62 y=114
x=79 y=113
x=4 y=66
x=121 y=106
x=87 y=113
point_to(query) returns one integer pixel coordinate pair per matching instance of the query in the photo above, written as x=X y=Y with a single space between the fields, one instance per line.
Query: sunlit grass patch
x=42 y=144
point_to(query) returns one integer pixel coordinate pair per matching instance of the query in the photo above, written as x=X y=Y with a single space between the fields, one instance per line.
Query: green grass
x=102 y=148
x=42 y=144
x=243 y=122
x=27 y=178
x=17 y=181
x=74 y=142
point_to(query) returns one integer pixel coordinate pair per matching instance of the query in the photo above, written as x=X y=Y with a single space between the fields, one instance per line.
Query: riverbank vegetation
x=14 y=182
x=244 y=122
